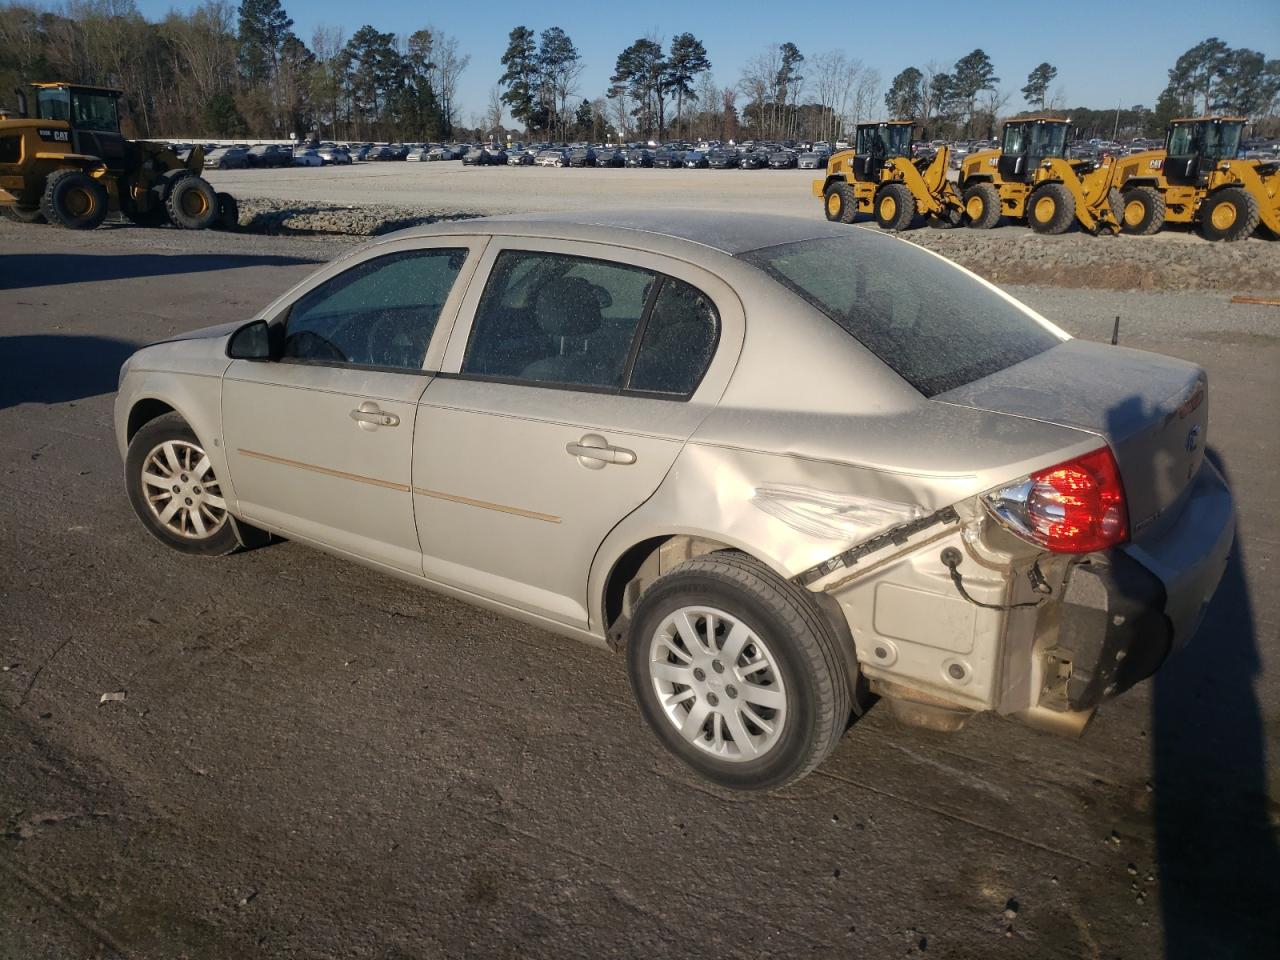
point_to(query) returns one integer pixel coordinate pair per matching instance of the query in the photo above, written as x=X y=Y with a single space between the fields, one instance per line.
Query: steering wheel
x=388 y=343
x=310 y=345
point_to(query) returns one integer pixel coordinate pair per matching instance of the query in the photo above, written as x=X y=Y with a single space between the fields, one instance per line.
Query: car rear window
x=936 y=326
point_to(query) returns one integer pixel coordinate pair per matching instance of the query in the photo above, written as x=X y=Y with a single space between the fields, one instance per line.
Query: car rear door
x=319 y=441
x=559 y=410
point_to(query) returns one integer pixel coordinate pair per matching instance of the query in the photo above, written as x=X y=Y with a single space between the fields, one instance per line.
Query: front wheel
x=839 y=203
x=895 y=207
x=174 y=491
x=737 y=672
x=982 y=206
x=1051 y=209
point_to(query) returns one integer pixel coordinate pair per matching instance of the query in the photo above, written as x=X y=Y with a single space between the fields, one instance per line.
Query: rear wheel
x=23 y=214
x=192 y=204
x=839 y=204
x=1141 y=211
x=1230 y=214
x=1051 y=209
x=738 y=672
x=74 y=200
x=982 y=206
x=895 y=207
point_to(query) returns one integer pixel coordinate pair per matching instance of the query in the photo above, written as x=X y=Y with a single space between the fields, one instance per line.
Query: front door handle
x=369 y=416
x=594 y=452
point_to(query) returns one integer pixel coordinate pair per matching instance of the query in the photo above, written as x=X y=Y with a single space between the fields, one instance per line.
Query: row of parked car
x=713 y=155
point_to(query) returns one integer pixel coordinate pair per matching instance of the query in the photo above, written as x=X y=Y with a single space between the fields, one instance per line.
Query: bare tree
x=494 y=111
x=447 y=67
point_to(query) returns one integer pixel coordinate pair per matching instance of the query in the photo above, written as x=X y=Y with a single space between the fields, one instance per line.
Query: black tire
x=839 y=203
x=23 y=214
x=192 y=204
x=1141 y=211
x=74 y=200
x=1230 y=214
x=895 y=207
x=802 y=643
x=152 y=435
x=1051 y=209
x=982 y=206
x=228 y=212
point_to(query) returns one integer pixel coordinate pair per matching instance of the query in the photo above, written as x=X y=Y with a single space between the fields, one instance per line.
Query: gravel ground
x=315 y=761
x=369 y=199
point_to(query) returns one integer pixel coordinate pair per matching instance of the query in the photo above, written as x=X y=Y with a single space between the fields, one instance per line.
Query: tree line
x=241 y=71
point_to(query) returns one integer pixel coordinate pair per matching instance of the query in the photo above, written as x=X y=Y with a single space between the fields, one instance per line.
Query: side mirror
x=251 y=342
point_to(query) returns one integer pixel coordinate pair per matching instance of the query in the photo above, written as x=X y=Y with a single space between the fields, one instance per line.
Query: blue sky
x=1105 y=53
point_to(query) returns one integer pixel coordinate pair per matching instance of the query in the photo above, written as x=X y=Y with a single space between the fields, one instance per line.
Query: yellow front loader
x=880 y=177
x=69 y=165
x=1198 y=179
x=1030 y=178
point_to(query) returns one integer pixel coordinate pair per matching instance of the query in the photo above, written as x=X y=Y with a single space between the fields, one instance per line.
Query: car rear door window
x=551 y=319
x=678 y=342
x=379 y=313
x=566 y=321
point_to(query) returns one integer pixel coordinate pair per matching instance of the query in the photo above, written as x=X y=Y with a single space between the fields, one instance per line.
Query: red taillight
x=1073 y=507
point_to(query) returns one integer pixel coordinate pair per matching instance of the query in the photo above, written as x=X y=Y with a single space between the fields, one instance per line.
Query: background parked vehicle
x=668 y=158
x=552 y=158
x=582 y=156
x=782 y=160
x=639 y=157
x=269 y=155
x=753 y=160
x=334 y=155
x=722 y=159
x=610 y=157
x=694 y=160
x=227 y=158
x=307 y=157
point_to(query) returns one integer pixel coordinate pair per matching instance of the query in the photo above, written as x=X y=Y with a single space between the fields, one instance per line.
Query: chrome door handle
x=594 y=452
x=368 y=416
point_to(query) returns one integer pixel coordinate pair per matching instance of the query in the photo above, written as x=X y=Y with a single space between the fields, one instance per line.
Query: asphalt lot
x=313 y=763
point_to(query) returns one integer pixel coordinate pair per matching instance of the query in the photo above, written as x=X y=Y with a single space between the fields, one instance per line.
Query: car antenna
x=1115 y=332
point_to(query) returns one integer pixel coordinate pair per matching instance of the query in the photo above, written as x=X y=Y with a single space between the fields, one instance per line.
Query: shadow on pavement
x=53 y=369
x=18 y=270
x=1218 y=859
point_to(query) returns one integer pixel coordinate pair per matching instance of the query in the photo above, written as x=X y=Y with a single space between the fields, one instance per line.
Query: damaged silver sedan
x=779 y=465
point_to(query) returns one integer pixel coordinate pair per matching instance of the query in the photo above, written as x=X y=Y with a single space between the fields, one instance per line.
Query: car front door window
x=380 y=313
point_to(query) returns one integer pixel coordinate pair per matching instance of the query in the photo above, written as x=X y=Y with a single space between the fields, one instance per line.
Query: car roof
x=730 y=233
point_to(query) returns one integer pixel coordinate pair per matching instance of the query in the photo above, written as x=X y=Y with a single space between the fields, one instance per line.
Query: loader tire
x=1141 y=211
x=192 y=204
x=982 y=206
x=23 y=214
x=839 y=203
x=228 y=212
x=895 y=207
x=1230 y=214
x=74 y=200
x=1051 y=209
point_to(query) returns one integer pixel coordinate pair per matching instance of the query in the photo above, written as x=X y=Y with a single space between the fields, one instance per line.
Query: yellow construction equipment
x=1197 y=179
x=69 y=165
x=1030 y=178
x=880 y=177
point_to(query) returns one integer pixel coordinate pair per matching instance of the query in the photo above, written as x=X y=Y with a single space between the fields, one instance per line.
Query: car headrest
x=568 y=307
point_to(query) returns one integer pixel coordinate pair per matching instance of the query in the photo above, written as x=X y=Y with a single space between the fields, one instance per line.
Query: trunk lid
x=1152 y=410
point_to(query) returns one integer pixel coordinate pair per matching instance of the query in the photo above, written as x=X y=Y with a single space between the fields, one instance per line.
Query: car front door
x=319 y=441
x=559 y=410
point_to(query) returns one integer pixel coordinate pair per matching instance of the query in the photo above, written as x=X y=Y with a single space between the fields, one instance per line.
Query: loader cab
x=92 y=113
x=876 y=143
x=1194 y=147
x=1027 y=143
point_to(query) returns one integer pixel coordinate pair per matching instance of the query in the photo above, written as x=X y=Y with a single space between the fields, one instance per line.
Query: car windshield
x=934 y=324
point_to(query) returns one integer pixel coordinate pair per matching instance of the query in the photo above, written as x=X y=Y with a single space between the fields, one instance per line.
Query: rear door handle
x=594 y=452
x=369 y=416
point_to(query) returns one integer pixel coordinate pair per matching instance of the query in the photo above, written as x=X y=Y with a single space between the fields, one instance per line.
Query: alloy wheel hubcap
x=718 y=683
x=181 y=490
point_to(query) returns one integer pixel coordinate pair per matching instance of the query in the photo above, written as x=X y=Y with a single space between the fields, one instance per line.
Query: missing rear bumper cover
x=896 y=536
